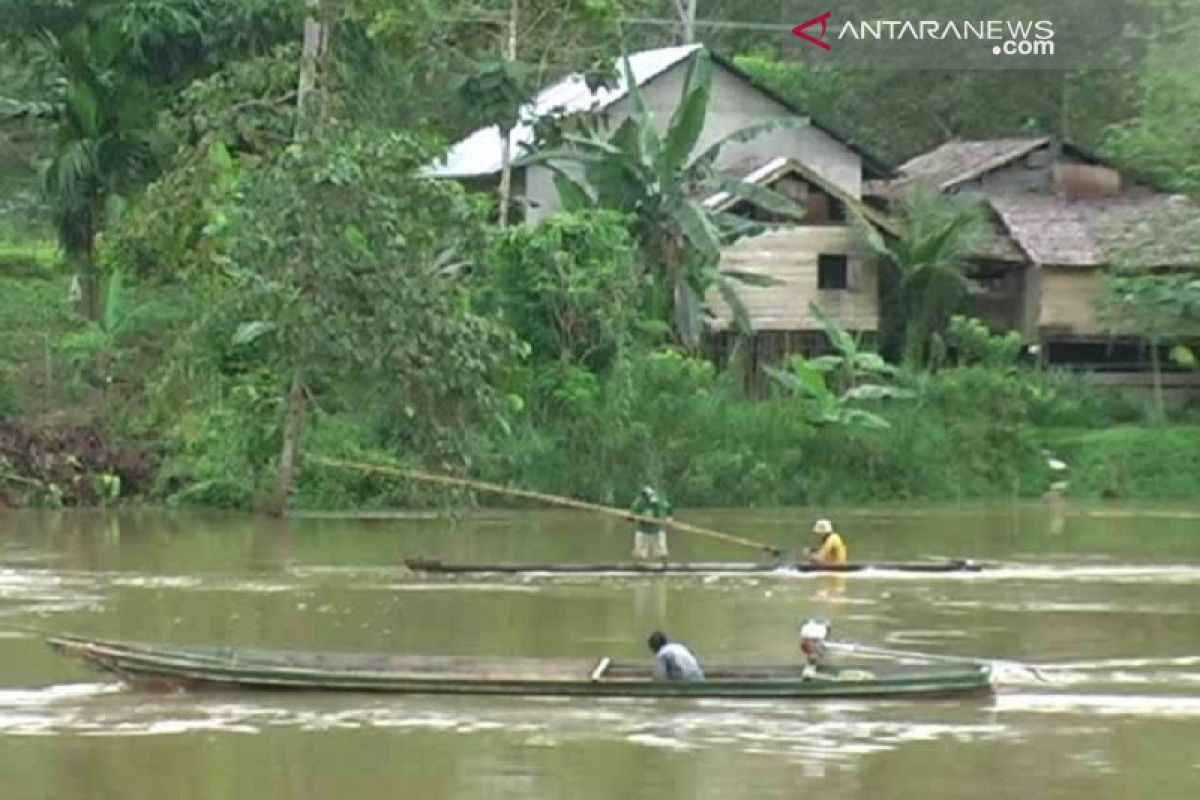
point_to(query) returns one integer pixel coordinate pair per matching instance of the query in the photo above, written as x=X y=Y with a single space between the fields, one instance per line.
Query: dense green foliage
x=662 y=181
x=239 y=279
x=924 y=277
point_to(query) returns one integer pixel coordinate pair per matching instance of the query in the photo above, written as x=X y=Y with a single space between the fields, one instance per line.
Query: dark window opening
x=837 y=210
x=832 y=272
x=820 y=207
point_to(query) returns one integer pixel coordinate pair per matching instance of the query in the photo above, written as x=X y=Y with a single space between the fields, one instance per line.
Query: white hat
x=823 y=526
x=814 y=629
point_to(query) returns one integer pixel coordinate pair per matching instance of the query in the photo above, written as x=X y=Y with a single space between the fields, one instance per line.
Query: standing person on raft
x=650 y=538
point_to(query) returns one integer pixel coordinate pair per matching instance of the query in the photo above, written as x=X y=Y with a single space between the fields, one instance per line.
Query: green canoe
x=200 y=667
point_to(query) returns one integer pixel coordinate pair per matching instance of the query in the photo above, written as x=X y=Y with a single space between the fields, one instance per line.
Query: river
x=1105 y=599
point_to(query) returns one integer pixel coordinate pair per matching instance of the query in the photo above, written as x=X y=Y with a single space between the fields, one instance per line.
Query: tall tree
x=104 y=122
x=334 y=254
x=538 y=38
x=1159 y=308
x=308 y=120
x=106 y=69
x=1162 y=139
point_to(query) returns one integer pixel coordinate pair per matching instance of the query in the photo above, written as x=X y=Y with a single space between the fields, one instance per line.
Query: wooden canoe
x=431 y=566
x=211 y=667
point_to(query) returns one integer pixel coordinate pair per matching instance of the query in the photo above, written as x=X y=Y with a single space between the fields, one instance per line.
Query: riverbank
x=86 y=420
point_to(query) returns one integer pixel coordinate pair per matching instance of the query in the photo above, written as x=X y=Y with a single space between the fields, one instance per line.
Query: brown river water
x=1105 y=600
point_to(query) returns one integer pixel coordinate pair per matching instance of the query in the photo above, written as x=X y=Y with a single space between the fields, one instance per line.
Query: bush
x=1150 y=463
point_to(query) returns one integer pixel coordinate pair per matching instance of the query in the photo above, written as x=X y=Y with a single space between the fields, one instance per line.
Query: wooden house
x=1063 y=219
x=818 y=261
x=821 y=260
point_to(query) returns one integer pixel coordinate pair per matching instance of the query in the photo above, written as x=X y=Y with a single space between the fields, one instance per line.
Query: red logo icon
x=819 y=41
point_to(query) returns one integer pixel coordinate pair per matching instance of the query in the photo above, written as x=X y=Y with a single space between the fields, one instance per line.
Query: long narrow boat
x=171 y=666
x=431 y=566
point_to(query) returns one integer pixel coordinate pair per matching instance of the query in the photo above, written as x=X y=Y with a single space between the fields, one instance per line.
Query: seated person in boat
x=832 y=550
x=673 y=661
x=650 y=539
x=813 y=636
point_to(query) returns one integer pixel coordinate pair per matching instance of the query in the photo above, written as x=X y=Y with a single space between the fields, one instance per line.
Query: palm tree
x=104 y=145
x=925 y=266
x=661 y=182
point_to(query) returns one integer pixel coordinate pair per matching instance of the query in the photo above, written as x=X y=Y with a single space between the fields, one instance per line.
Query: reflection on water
x=1094 y=628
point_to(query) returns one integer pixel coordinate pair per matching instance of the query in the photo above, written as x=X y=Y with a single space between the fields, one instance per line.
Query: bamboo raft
x=431 y=566
x=189 y=667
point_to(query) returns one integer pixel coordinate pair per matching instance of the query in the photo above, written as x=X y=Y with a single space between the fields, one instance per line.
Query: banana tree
x=832 y=384
x=661 y=181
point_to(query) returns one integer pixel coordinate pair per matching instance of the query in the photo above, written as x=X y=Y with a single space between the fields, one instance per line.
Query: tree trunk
x=293 y=427
x=316 y=42
x=89 y=288
x=687 y=19
x=308 y=116
x=90 y=304
x=1156 y=366
x=505 y=192
x=510 y=53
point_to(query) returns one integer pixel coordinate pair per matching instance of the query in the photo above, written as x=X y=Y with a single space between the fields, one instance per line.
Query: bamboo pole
x=549 y=499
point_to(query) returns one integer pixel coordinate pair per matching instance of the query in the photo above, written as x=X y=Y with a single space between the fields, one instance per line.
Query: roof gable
x=956 y=162
x=478 y=155
x=770 y=171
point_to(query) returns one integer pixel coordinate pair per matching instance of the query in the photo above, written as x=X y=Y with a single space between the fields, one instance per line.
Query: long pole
x=550 y=499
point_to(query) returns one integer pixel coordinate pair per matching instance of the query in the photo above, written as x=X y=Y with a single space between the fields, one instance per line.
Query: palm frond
x=648 y=141
x=572 y=195
x=762 y=197
x=701 y=231
x=751 y=278
x=27 y=109
x=688 y=120
x=749 y=133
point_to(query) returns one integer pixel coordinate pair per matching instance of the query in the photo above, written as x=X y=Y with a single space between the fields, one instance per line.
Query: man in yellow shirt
x=832 y=549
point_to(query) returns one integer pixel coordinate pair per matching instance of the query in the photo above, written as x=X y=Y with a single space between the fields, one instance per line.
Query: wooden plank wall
x=790 y=257
x=1068 y=299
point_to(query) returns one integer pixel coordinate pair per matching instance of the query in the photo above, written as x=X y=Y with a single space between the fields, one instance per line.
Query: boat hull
x=436 y=567
x=222 y=668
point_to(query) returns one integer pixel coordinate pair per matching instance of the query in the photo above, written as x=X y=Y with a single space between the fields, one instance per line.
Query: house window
x=837 y=211
x=832 y=271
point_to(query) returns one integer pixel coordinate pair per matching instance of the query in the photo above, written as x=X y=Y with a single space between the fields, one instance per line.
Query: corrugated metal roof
x=479 y=154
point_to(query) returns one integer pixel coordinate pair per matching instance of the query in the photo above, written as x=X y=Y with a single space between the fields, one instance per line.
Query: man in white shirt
x=673 y=661
x=813 y=635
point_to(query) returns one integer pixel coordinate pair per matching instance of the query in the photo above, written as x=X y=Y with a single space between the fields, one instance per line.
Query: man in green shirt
x=650 y=539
